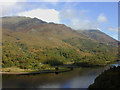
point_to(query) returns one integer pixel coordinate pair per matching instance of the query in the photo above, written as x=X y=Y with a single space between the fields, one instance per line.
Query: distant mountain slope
x=32 y=40
x=99 y=36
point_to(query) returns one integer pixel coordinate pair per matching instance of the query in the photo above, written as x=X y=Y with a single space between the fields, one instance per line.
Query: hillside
x=99 y=36
x=109 y=79
x=28 y=42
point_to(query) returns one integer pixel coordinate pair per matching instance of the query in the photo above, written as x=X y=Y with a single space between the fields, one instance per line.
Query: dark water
x=78 y=78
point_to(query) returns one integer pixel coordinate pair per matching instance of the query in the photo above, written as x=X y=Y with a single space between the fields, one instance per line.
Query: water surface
x=78 y=78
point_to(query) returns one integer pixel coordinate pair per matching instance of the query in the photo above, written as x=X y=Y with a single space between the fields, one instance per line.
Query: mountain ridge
x=99 y=36
x=22 y=23
x=39 y=41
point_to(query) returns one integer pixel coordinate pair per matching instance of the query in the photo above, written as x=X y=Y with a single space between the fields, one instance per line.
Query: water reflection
x=78 y=78
x=117 y=64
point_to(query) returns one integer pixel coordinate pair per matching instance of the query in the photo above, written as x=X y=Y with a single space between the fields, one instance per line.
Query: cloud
x=48 y=15
x=113 y=29
x=77 y=19
x=102 y=18
x=45 y=0
x=116 y=36
x=119 y=36
x=9 y=8
x=6 y=7
x=12 y=1
x=82 y=24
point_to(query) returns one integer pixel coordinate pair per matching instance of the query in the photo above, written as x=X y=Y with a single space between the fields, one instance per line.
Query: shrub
x=53 y=62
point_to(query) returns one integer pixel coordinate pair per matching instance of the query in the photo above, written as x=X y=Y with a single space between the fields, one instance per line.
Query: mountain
x=18 y=22
x=99 y=36
x=28 y=41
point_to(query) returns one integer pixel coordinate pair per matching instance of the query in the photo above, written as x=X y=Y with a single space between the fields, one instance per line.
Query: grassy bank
x=16 y=70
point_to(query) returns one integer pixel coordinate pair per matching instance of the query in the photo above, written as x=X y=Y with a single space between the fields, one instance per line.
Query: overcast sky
x=77 y=15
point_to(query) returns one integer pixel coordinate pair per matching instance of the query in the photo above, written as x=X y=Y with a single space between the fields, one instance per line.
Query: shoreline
x=13 y=72
x=42 y=71
x=35 y=72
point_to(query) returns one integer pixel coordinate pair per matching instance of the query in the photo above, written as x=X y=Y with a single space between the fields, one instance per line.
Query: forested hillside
x=30 y=43
x=109 y=79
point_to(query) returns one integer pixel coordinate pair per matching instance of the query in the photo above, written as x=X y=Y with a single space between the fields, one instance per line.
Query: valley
x=33 y=44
